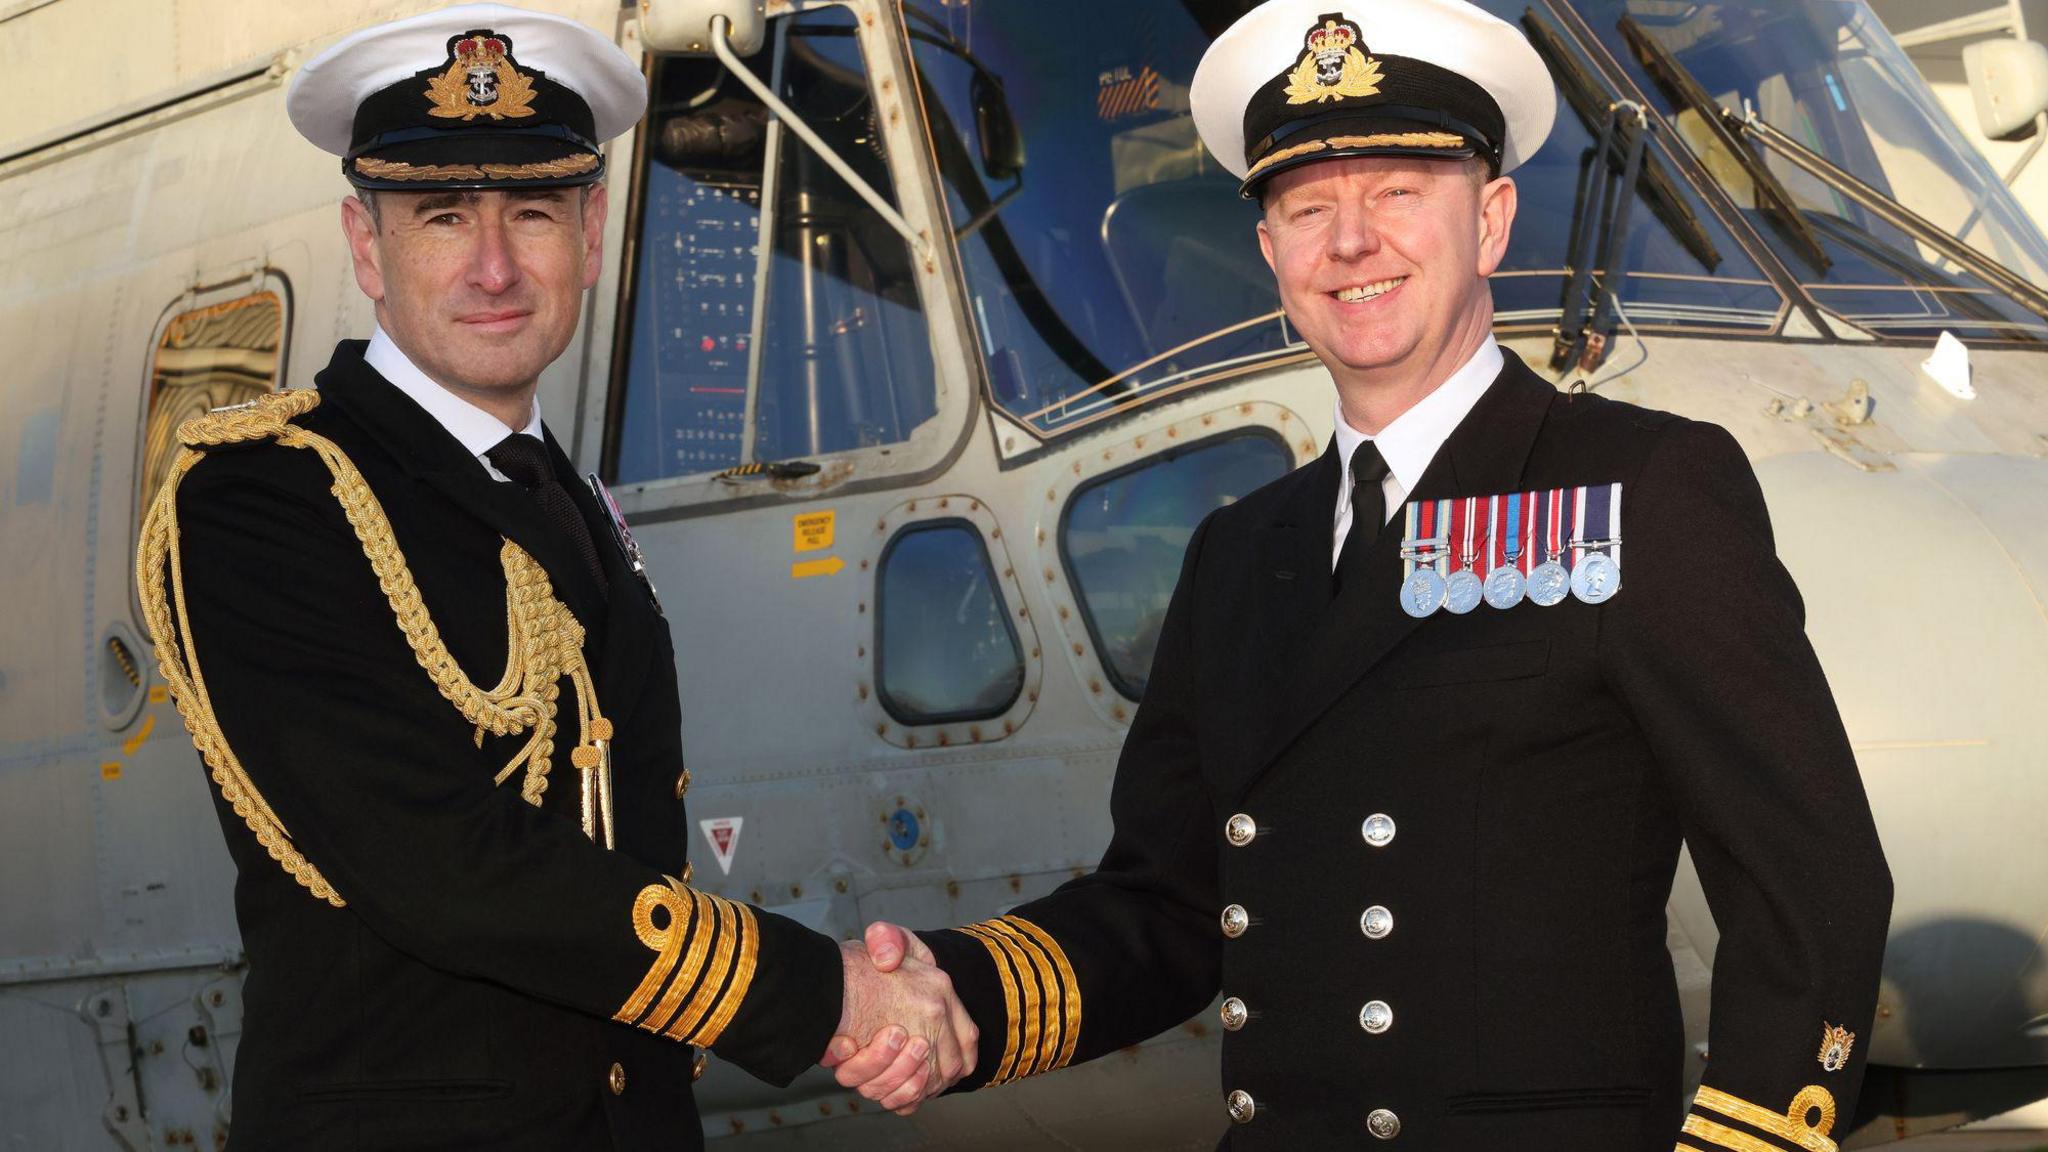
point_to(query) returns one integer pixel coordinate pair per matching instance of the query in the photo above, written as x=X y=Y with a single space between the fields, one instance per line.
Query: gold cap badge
x=1333 y=67
x=481 y=81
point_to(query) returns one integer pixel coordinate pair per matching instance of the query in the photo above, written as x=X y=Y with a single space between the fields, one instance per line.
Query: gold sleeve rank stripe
x=1041 y=996
x=702 y=943
x=1802 y=1127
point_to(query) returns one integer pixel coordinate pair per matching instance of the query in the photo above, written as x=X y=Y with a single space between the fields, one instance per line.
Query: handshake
x=903 y=1035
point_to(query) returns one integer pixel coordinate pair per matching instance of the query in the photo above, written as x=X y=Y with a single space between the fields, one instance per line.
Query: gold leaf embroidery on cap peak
x=377 y=169
x=1378 y=140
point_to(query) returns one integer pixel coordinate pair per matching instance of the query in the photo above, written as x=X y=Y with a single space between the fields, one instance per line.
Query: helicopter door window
x=211 y=356
x=945 y=648
x=1123 y=535
x=774 y=316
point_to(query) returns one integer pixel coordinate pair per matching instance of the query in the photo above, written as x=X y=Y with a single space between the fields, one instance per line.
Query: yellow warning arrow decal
x=805 y=569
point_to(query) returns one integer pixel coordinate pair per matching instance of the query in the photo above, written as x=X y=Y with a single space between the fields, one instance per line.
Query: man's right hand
x=903 y=1035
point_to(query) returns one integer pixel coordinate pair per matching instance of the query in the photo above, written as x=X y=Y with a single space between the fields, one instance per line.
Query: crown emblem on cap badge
x=1333 y=67
x=480 y=81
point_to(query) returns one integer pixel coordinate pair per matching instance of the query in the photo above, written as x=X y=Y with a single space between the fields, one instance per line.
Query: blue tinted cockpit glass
x=945 y=649
x=817 y=345
x=1680 y=266
x=1107 y=253
x=1827 y=75
x=1123 y=537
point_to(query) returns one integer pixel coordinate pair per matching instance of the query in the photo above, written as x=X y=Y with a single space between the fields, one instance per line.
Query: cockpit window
x=1826 y=75
x=775 y=316
x=1678 y=267
x=1107 y=255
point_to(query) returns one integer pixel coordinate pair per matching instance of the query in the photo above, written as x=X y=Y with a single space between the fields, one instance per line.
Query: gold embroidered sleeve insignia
x=1835 y=1045
x=1041 y=996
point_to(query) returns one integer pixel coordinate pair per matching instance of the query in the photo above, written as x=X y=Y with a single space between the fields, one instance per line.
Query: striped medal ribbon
x=1425 y=557
x=1596 y=544
x=1550 y=582
x=1505 y=584
x=1465 y=589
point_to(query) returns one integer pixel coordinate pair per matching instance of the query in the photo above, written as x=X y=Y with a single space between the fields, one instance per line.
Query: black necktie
x=524 y=459
x=1368 y=508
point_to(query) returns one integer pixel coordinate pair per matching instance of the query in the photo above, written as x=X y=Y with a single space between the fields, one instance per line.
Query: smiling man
x=1418 y=754
x=439 y=699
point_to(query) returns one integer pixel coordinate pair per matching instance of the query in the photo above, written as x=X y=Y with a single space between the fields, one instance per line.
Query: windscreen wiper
x=1591 y=101
x=1610 y=174
x=1772 y=197
x=1600 y=213
x=1896 y=214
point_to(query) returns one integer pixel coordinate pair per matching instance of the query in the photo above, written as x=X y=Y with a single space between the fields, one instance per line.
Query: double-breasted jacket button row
x=1376 y=922
x=1381 y=1122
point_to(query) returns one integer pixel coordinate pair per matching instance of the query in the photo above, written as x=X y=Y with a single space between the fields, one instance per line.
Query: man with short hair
x=1416 y=758
x=434 y=690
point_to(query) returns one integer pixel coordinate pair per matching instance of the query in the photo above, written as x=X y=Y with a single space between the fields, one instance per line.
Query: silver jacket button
x=1234 y=1014
x=1378 y=830
x=1376 y=1017
x=1235 y=921
x=1377 y=923
x=1240 y=830
x=1242 y=1107
x=1383 y=1124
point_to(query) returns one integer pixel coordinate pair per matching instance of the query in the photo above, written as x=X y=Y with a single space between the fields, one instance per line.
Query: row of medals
x=1593 y=580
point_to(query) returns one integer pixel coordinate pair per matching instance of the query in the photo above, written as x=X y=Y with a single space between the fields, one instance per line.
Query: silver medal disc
x=1549 y=584
x=1597 y=578
x=1504 y=587
x=1423 y=593
x=1464 y=591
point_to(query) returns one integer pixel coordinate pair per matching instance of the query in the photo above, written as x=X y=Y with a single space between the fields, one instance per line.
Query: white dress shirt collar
x=477 y=430
x=1411 y=441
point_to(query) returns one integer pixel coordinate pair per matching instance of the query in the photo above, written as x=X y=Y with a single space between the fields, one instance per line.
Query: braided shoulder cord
x=544 y=641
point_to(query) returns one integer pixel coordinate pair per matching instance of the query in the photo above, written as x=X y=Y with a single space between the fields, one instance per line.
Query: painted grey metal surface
x=1913 y=522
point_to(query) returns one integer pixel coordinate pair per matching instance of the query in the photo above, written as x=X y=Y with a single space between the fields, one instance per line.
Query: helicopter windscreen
x=1827 y=74
x=1106 y=252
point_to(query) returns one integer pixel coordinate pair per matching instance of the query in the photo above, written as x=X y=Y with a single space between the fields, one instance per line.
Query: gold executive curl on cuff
x=1789 y=1127
x=700 y=925
x=1041 y=996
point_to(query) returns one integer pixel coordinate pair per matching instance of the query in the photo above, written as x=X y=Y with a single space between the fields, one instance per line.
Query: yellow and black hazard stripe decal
x=1721 y=1121
x=1041 y=996
x=706 y=949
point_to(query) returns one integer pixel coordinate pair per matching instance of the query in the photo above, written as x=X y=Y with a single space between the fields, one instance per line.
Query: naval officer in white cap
x=1419 y=751
x=438 y=699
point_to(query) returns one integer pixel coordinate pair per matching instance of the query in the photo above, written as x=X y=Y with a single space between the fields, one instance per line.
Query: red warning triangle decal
x=723 y=832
